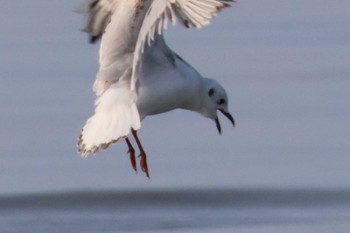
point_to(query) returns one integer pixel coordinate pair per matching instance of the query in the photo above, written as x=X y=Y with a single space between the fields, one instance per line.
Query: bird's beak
x=229 y=116
x=226 y=114
x=218 y=126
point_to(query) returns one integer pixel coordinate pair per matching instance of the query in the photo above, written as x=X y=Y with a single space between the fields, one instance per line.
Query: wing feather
x=191 y=13
x=98 y=14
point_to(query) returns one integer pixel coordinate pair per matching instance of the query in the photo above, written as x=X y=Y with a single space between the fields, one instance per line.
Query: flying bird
x=139 y=74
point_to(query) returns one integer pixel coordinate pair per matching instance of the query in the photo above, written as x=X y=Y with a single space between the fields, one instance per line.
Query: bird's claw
x=131 y=153
x=143 y=163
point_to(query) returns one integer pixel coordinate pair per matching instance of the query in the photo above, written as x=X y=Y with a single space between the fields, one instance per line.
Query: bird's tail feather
x=115 y=115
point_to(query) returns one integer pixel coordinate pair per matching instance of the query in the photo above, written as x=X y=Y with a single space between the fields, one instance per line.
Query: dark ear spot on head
x=211 y=91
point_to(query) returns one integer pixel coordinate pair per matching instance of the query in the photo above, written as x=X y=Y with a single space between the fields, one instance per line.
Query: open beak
x=229 y=116
x=226 y=114
x=218 y=126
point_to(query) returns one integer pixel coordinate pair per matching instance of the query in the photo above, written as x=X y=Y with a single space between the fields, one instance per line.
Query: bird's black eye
x=211 y=92
x=221 y=101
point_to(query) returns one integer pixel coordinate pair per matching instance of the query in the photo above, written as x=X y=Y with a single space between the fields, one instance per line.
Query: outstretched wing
x=191 y=14
x=98 y=14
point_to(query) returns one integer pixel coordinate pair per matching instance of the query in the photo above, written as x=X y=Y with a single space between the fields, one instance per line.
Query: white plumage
x=139 y=74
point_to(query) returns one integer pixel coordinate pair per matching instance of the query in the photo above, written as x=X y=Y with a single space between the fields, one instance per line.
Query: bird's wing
x=191 y=14
x=98 y=14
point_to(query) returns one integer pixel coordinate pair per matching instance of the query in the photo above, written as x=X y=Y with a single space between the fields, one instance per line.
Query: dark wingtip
x=93 y=39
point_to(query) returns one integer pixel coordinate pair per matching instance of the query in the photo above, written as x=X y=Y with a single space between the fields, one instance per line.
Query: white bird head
x=215 y=99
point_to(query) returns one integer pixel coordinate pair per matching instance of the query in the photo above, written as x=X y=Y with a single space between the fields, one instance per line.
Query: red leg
x=143 y=159
x=131 y=153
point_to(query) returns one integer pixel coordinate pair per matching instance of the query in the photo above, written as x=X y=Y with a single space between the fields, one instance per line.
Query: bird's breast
x=164 y=91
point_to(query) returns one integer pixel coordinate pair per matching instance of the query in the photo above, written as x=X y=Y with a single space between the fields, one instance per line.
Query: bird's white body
x=160 y=68
x=139 y=74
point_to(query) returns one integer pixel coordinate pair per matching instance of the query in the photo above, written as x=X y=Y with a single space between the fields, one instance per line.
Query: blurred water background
x=284 y=168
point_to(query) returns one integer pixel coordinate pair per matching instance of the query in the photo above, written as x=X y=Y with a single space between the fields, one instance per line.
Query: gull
x=140 y=75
